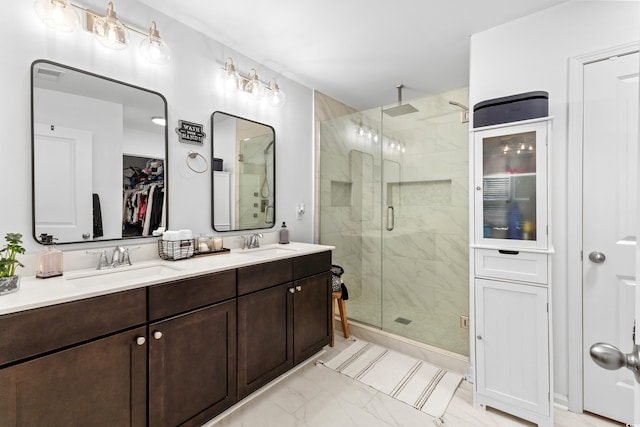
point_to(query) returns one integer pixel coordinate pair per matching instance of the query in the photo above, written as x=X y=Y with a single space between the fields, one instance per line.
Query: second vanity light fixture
x=251 y=85
x=62 y=15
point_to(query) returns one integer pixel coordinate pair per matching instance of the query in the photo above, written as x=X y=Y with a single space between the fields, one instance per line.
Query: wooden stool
x=337 y=296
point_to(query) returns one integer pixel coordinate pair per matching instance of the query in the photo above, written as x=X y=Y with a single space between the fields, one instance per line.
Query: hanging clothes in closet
x=143 y=199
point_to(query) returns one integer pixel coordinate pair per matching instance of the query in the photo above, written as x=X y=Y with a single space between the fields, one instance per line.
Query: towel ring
x=192 y=155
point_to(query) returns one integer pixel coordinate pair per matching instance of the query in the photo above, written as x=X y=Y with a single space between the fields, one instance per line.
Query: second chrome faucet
x=251 y=241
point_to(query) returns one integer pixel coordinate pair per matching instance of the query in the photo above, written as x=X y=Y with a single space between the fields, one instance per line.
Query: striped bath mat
x=412 y=381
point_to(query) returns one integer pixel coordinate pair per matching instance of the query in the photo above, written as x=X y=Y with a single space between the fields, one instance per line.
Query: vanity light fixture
x=62 y=15
x=251 y=85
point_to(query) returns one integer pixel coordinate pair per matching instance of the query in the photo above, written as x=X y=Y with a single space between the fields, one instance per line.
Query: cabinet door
x=512 y=345
x=192 y=366
x=311 y=315
x=511 y=185
x=265 y=336
x=101 y=383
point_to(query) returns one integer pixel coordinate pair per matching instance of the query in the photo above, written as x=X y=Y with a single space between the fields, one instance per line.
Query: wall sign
x=190 y=133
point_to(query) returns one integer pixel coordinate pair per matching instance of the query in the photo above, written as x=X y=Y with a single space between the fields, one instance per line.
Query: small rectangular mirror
x=243 y=176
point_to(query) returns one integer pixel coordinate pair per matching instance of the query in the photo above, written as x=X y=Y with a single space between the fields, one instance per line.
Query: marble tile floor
x=315 y=396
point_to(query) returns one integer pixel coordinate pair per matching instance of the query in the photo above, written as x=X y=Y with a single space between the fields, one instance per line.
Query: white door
x=63 y=203
x=610 y=228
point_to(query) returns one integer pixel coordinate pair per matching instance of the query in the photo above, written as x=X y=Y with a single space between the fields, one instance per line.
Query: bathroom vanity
x=173 y=349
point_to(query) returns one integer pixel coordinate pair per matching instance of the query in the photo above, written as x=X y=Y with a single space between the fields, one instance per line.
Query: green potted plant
x=9 y=281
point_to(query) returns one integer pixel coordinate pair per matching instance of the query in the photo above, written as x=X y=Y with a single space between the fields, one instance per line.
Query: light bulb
x=254 y=87
x=109 y=31
x=57 y=14
x=376 y=137
x=230 y=80
x=153 y=48
x=277 y=97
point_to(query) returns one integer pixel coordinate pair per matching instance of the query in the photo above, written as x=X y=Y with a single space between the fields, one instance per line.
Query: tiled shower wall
x=418 y=272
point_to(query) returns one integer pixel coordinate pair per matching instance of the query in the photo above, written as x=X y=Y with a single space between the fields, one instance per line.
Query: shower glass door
x=394 y=202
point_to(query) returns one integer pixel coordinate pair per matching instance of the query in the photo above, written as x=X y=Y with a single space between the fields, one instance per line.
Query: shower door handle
x=267 y=220
x=391 y=214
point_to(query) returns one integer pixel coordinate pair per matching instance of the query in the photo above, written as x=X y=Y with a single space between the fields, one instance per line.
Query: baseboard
x=446 y=359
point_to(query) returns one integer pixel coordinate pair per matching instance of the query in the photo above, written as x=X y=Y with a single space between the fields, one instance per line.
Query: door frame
x=574 y=212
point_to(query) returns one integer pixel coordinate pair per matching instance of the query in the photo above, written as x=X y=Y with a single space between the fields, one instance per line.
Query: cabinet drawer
x=180 y=296
x=261 y=276
x=512 y=265
x=32 y=332
x=308 y=265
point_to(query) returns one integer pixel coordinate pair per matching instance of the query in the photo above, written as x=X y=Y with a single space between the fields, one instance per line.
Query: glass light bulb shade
x=155 y=50
x=277 y=97
x=229 y=78
x=57 y=14
x=110 y=32
x=254 y=88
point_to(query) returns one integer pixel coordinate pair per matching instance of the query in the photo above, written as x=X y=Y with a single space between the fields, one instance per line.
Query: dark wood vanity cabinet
x=65 y=374
x=192 y=355
x=283 y=317
x=173 y=354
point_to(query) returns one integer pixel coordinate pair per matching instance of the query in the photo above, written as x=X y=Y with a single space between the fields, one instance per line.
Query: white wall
x=533 y=53
x=189 y=83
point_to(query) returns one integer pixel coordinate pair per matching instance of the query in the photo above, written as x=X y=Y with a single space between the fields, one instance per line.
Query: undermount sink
x=123 y=274
x=265 y=252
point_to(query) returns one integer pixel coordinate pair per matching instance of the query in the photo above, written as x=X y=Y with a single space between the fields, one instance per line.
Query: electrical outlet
x=464 y=322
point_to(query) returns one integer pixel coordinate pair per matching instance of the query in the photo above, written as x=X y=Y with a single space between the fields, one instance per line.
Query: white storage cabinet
x=510 y=269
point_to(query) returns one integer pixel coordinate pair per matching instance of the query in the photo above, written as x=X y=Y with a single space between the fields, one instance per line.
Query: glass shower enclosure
x=394 y=202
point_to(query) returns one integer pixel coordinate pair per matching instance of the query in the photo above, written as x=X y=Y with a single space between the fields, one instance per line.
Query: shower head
x=400 y=110
x=457 y=104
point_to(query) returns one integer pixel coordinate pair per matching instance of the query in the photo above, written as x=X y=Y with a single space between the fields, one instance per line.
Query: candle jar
x=204 y=244
x=217 y=243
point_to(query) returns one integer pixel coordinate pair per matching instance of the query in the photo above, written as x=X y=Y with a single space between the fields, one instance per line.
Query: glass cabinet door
x=510 y=185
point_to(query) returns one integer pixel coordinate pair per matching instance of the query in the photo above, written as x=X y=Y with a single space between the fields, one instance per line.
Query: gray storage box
x=514 y=108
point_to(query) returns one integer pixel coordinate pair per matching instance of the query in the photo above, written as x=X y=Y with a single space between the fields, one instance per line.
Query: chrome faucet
x=120 y=257
x=254 y=240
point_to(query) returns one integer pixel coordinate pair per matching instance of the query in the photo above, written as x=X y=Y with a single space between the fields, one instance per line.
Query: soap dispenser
x=49 y=261
x=284 y=234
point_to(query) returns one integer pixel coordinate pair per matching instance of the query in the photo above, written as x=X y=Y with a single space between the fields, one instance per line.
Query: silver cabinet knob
x=292 y=290
x=479 y=337
x=157 y=335
x=140 y=340
x=478 y=188
x=86 y=235
x=597 y=257
x=298 y=288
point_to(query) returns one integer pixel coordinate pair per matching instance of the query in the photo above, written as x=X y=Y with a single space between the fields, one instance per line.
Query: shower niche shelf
x=510 y=269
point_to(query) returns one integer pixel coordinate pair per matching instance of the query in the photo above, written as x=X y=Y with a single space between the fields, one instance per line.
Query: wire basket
x=173 y=250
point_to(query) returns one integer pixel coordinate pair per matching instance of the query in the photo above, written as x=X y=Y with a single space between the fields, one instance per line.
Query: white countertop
x=79 y=284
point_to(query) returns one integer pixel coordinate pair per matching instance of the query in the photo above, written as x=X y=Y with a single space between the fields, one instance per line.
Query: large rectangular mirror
x=98 y=159
x=244 y=182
